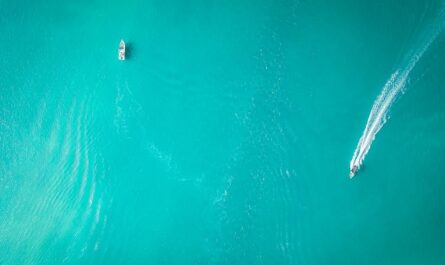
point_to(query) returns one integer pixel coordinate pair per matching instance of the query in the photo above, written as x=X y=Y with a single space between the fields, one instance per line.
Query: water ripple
x=61 y=176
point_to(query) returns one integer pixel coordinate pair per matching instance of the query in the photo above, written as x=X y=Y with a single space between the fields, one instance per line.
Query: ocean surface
x=226 y=137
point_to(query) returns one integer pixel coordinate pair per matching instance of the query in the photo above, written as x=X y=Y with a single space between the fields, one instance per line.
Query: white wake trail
x=396 y=84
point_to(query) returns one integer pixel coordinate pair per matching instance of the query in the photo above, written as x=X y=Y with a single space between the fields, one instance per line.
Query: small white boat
x=353 y=171
x=121 y=51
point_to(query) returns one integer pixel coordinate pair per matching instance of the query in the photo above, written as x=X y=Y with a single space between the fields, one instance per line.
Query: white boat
x=353 y=171
x=121 y=51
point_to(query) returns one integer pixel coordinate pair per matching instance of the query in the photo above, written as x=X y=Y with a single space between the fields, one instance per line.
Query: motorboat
x=353 y=171
x=121 y=51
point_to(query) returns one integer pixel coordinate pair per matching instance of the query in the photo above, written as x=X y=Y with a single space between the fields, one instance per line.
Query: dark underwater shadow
x=129 y=50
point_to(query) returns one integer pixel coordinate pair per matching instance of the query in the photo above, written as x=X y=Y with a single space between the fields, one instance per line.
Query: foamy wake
x=396 y=84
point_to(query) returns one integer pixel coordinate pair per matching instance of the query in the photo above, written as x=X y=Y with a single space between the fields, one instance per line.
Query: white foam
x=396 y=84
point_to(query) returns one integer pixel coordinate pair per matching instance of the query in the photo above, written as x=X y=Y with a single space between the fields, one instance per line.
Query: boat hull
x=121 y=51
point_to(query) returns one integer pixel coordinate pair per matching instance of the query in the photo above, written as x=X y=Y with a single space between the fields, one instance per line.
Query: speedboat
x=121 y=51
x=353 y=171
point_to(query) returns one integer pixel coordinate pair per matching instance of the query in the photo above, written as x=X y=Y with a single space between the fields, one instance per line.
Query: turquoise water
x=225 y=138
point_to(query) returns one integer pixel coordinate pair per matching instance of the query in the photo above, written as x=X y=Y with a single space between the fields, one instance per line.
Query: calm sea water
x=226 y=136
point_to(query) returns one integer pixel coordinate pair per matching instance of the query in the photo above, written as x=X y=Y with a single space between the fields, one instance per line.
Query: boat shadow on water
x=129 y=49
